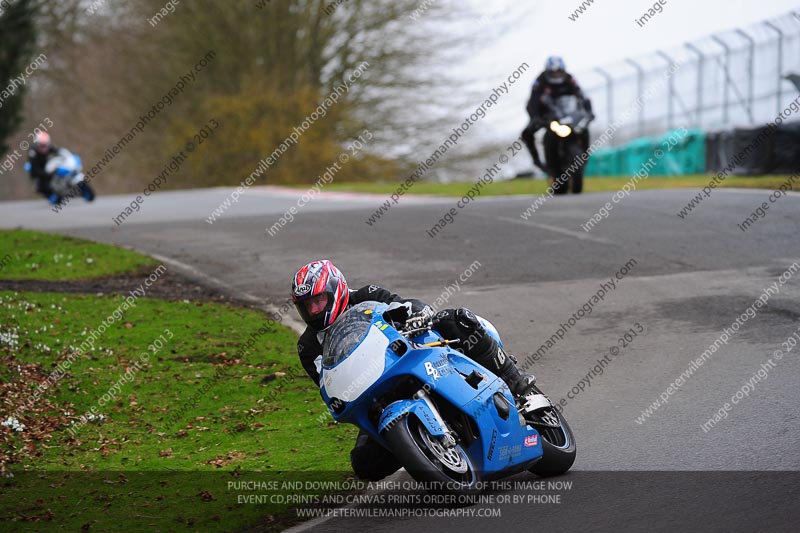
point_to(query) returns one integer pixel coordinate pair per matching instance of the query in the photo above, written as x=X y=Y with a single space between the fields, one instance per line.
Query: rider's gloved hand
x=420 y=319
x=398 y=312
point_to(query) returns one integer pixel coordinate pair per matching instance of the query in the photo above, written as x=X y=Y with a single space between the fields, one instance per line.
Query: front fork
x=449 y=439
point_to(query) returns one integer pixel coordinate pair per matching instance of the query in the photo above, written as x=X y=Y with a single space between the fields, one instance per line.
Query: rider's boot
x=520 y=383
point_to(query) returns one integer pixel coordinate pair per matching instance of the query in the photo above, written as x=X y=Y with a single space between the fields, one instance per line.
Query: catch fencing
x=737 y=78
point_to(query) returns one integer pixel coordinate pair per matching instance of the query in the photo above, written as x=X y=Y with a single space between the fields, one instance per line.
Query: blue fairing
x=391 y=415
x=499 y=444
x=491 y=330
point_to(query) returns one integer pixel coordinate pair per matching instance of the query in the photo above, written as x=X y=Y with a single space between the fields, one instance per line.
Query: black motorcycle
x=565 y=141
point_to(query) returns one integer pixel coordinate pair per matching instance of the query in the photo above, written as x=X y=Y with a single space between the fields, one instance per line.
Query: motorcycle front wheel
x=558 y=447
x=575 y=152
x=86 y=191
x=428 y=460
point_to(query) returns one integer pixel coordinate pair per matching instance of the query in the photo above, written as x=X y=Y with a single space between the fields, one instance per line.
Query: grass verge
x=32 y=255
x=162 y=422
x=531 y=186
x=154 y=428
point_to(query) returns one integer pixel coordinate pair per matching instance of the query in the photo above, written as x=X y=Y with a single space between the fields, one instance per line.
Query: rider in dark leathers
x=321 y=295
x=554 y=82
x=39 y=154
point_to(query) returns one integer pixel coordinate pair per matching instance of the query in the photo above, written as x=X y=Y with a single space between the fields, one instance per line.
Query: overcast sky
x=605 y=32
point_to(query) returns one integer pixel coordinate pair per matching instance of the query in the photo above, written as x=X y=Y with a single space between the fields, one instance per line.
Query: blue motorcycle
x=448 y=420
x=67 y=177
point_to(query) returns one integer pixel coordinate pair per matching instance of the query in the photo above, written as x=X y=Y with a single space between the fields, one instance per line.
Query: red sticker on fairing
x=531 y=440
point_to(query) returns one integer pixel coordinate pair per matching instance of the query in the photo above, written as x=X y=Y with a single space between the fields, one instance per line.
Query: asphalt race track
x=683 y=281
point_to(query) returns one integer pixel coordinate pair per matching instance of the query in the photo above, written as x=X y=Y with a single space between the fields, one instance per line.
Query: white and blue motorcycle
x=67 y=179
x=447 y=419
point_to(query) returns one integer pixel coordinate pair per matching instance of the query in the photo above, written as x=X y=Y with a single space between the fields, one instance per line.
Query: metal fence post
x=725 y=99
x=609 y=93
x=639 y=92
x=750 y=73
x=779 y=94
x=701 y=59
x=671 y=85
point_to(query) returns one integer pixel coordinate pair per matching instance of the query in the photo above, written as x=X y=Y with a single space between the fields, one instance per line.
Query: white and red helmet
x=42 y=143
x=320 y=293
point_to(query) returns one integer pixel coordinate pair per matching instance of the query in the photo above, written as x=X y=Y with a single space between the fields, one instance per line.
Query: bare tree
x=274 y=63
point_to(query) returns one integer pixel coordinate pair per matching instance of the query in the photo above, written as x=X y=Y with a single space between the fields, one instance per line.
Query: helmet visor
x=316 y=305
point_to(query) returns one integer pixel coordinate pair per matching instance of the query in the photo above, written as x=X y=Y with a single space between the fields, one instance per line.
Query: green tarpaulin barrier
x=676 y=153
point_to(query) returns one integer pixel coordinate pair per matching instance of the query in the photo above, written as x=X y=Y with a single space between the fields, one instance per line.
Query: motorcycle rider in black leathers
x=39 y=154
x=554 y=82
x=321 y=295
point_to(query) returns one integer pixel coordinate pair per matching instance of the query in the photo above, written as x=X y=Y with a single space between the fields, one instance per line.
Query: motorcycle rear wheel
x=427 y=460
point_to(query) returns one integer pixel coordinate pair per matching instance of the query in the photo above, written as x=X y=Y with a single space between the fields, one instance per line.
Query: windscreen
x=346 y=333
x=567 y=103
x=62 y=159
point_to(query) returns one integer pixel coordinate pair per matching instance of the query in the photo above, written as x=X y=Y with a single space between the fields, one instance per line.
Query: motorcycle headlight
x=562 y=130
